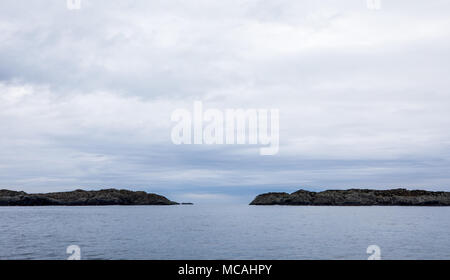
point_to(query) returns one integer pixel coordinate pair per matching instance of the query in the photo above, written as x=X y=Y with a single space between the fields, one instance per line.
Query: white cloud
x=86 y=96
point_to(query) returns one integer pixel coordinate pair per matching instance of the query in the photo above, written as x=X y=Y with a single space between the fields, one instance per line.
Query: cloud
x=86 y=96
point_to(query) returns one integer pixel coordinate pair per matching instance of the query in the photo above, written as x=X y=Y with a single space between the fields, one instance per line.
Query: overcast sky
x=86 y=95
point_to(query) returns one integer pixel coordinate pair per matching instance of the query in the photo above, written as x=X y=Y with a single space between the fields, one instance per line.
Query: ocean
x=224 y=232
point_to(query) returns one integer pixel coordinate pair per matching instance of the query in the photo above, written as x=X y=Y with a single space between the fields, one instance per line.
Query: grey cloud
x=86 y=96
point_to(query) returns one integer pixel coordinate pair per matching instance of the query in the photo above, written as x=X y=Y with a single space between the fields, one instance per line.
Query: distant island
x=356 y=197
x=83 y=198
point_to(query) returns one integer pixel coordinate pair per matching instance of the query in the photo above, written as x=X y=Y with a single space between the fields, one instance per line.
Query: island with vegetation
x=356 y=197
x=82 y=198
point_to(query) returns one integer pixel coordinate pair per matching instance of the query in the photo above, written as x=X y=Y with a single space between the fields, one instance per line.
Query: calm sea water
x=224 y=232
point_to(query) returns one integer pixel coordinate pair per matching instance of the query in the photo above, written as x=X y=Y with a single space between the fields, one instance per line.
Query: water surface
x=224 y=232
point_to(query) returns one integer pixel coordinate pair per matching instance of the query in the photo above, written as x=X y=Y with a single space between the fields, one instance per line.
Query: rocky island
x=83 y=198
x=356 y=197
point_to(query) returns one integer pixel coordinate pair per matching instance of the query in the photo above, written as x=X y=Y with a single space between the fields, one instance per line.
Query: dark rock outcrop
x=80 y=198
x=356 y=197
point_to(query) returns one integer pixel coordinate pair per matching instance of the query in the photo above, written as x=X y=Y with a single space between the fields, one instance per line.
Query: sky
x=86 y=95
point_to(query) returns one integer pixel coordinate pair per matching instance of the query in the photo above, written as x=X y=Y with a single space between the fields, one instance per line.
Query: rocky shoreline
x=83 y=198
x=356 y=197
